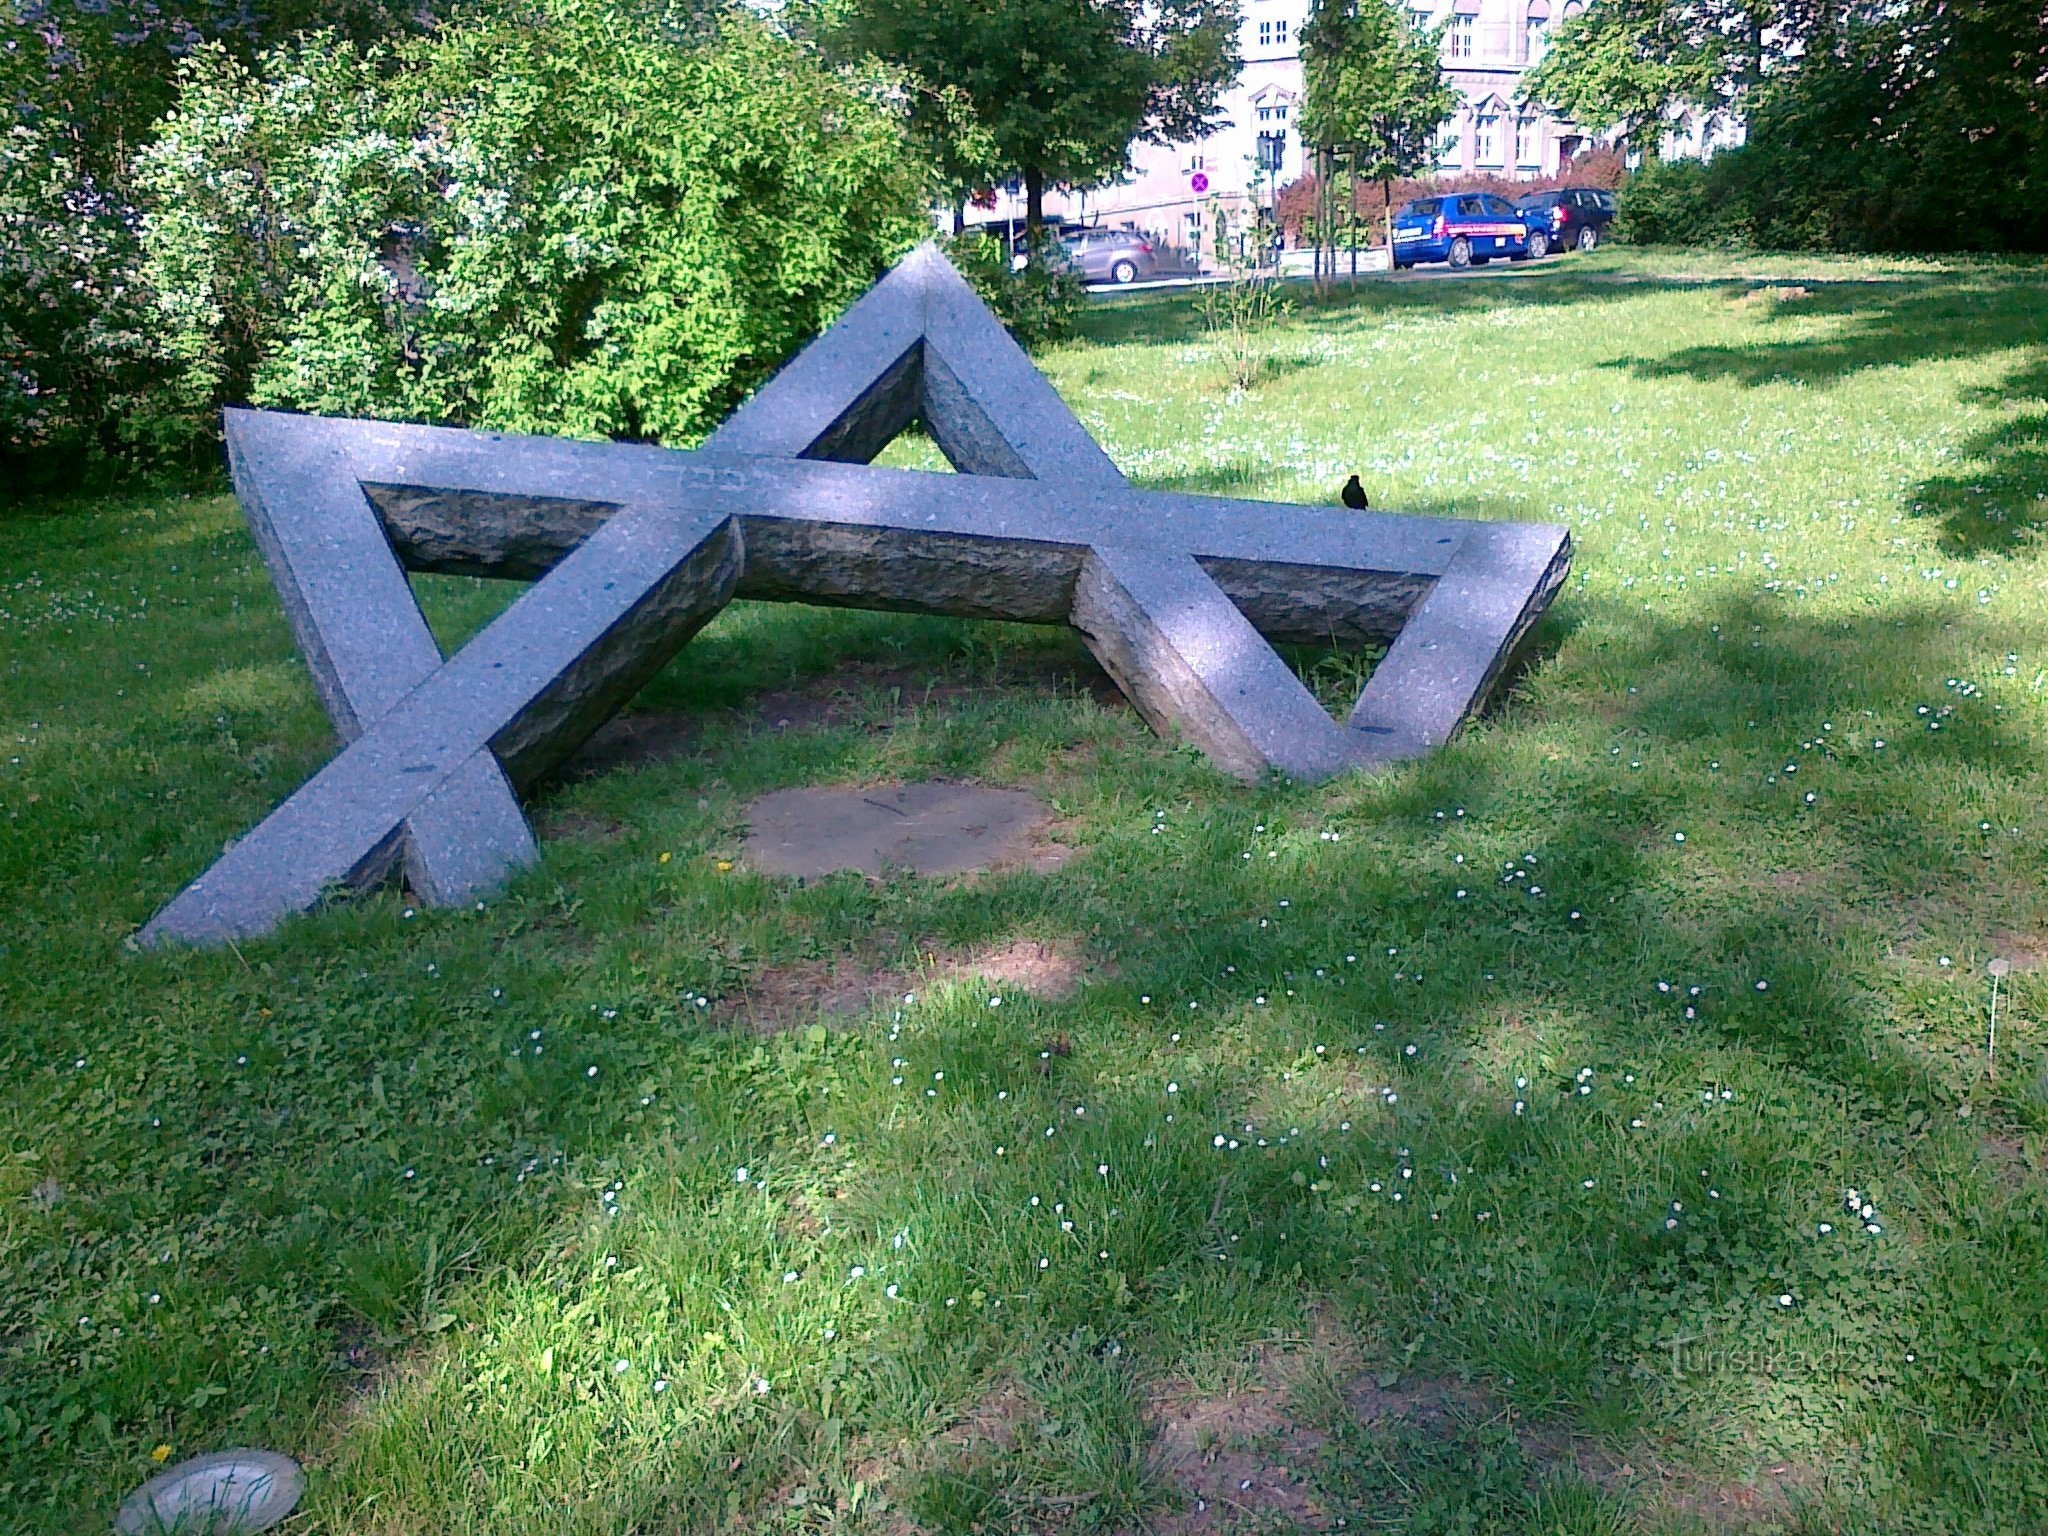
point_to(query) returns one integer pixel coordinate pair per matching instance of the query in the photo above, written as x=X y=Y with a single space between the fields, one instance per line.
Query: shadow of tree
x=2000 y=503
x=1738 y=996
x=1874 y=326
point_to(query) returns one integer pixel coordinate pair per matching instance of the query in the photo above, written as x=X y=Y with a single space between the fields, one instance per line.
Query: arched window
x=1536 y=30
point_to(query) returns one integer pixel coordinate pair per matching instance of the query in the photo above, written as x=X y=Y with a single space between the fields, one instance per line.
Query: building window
x=1528 y=142
x=1463 y=35
x=1280 y=31
x=1449 y=146
x=1486 y=139
x=1535 y=37
x=1265 y=34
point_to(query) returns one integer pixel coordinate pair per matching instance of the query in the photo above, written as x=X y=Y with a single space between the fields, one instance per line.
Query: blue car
x=1465 y=229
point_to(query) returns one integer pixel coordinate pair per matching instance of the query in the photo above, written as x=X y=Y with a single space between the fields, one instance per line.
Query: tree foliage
x=1921 y=126
x=555 y=219
x=1375 y=84
x=81 y=82
x=1055 y=91
x=1622 y=65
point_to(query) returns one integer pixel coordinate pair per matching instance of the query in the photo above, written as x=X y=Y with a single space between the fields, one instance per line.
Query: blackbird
x=1353 y=496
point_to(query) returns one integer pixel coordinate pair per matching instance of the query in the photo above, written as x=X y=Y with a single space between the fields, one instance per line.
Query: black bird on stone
x=1353 y=496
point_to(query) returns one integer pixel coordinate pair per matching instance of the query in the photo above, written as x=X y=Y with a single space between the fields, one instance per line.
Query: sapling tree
x=1375 y=89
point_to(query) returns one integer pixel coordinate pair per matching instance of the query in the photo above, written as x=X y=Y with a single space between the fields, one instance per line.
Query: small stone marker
x=223 y=1493
x=632 y=549
x=926 y=828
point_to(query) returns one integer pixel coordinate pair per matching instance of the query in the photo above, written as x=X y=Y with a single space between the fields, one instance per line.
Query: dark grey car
x=1576 y=218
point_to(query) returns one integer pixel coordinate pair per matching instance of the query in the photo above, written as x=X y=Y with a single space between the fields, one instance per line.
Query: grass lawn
x=1460 y=1149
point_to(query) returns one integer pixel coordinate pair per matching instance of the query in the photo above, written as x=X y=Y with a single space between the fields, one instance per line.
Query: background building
x=1177 y=193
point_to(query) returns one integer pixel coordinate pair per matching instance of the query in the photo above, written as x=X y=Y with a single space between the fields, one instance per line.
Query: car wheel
x=1539 y=245
x=1461 y=252
x=1124 y=272
x=1588 y=238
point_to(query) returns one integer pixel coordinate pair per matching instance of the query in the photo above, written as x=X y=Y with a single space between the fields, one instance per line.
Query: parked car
x=1465 y=229
x=1112 y=255
x=1575 y=217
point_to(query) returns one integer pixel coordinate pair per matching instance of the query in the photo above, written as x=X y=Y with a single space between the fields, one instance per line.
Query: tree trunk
x=1034 y=205
x=1322 y=215
x=960 y=217
x=1351 y=210
x=1387 y=211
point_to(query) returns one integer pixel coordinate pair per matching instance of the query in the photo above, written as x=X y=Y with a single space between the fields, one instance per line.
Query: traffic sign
x=1199 y=181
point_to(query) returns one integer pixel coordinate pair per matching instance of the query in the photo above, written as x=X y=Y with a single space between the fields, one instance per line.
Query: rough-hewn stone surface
x=367 y=645
x=537 y=680
x=633 y=547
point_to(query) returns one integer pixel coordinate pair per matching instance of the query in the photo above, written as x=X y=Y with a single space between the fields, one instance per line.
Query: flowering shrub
x=72 y=347
x=569 y=220
x=81 y=83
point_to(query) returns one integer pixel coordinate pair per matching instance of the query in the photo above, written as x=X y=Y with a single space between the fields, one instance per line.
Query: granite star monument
x=632 y=549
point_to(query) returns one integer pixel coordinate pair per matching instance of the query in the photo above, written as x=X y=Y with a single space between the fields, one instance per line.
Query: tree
x=1060 y=88
x=1375 y=86
x=1625 y=64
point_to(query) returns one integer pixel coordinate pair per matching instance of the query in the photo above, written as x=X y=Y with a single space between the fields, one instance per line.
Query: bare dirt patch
x=1048 y=972
x=786 y=997
x=579 y=825
x=883 y=695
x=992 y=1422
x=1247 y=1455
x=929 y=828
x=1240 y=1453
x=1775 y=294
x=1720 y=1503
x=2024 y=951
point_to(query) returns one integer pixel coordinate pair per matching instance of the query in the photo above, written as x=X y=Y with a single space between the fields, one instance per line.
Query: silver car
x=1112 y=255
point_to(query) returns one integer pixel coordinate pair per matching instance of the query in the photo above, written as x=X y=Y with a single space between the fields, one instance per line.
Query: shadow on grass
x=295 y=1090
x=1896 y=325
x=2001 y=504
x=431 y=1135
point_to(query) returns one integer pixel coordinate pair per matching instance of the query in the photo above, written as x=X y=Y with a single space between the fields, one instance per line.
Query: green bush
x=1038 y=303
x=1919 y=128
x=74 y=350
x=1669 y=203
x=82 y=83
x=571 y=219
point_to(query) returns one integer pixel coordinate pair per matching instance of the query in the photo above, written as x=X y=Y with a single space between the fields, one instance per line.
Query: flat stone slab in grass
x=927 y=828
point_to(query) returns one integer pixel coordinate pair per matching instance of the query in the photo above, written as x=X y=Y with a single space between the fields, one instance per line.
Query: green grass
x=434 y=1200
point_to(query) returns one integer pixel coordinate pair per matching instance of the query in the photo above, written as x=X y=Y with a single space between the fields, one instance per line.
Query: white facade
x=1176 y=193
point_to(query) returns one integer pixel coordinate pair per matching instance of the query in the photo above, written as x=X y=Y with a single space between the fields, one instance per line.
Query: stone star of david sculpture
x=632 y=549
